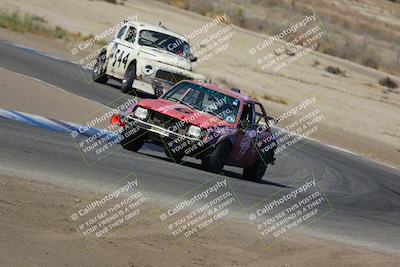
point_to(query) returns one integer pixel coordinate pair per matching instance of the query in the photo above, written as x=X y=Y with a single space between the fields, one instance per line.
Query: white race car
x=146 y=57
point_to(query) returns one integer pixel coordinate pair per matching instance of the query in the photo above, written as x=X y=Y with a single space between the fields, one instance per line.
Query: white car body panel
x=168 y=68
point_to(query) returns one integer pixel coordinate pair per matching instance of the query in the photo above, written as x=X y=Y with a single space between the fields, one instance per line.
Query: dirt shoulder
x=33 y=221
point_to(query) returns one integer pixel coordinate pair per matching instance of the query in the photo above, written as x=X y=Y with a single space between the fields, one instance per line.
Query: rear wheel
x=99 y=69
x=215 y=161
x=132 y=142
x=256 y=171
x=129 y=78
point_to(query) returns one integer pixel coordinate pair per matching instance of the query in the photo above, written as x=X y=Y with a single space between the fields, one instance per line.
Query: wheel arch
x=226 y=139
x=133 y=62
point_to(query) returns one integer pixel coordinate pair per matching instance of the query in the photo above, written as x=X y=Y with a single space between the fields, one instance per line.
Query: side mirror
x=270 y=119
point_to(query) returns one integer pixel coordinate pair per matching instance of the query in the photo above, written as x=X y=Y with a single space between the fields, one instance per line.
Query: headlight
x=194 y=131
x=141 y=113
x=148 y=70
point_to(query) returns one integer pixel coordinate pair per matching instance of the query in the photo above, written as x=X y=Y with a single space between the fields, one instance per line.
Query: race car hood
x=165 y=57
x=184 y=113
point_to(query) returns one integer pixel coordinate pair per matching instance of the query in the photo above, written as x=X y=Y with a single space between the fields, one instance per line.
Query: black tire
x=256 y=171
x=132 y=143
x=99 y=70
x=176 y=157
x=129 y=78
x=215 y=161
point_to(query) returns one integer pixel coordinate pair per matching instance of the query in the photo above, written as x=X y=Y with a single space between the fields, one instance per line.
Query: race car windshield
x=164 y=41
x=203 y=99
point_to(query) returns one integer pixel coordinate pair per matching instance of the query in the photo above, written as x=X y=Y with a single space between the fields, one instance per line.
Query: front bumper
x=163 y=78
x=176 y=143
x=156 y=85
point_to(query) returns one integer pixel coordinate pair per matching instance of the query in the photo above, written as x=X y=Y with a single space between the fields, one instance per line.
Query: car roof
x=224 y=90
x=152 y=27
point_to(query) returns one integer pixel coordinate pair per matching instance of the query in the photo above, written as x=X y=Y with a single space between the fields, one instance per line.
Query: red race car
x=217 y=125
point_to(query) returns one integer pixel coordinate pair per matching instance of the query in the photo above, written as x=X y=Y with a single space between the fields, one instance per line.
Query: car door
x=124 y=47
x=243 y=151
x=264 y=139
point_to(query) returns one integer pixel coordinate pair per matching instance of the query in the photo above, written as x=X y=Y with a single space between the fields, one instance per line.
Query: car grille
x=170 y=77
x=167 y=122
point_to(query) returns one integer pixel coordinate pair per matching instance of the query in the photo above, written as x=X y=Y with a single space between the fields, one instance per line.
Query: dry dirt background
x=34 y=231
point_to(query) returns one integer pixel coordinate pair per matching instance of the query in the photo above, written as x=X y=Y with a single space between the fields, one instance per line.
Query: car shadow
x=224 y=172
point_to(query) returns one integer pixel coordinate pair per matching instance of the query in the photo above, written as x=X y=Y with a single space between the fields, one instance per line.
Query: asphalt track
x=365 y=195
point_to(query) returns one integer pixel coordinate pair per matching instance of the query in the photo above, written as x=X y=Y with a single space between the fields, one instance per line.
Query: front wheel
x=176 y=157
x=158 y=92
x=256 y=171
x=215 y=161
x=129 y=78
x=131 y=142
